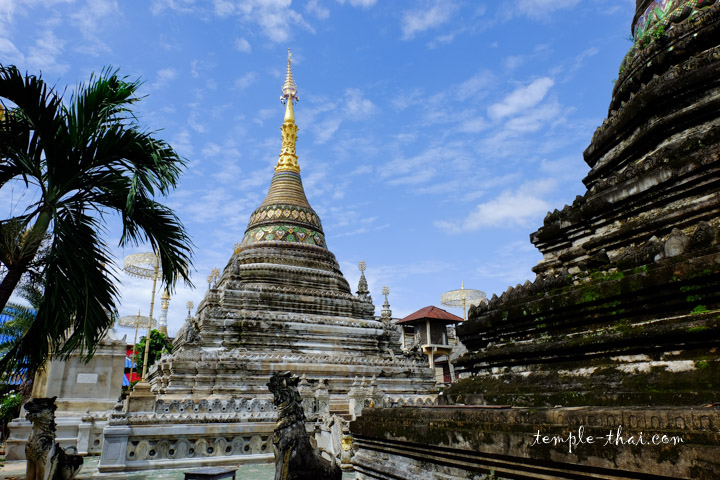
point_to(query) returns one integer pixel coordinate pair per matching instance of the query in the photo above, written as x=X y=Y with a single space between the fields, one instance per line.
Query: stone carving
x=295 y=458
x=195 y=447
x=46 y=460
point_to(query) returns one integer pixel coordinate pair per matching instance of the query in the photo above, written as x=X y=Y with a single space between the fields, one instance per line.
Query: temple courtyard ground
x=15 y=470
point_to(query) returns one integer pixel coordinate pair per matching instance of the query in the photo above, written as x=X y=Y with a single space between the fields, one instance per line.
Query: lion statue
x=47 y=460
x=295 y=458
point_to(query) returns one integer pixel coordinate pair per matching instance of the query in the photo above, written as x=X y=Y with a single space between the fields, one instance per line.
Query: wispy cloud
x=273 y=17
x=521 y=99
x=325 y=129
x=359 y=3
x=223 y=7
x=183 y=6
x=509 y=209
x=422 y=19
x=539 y=9
x=423 y=167
x=314 y=8
x=163 y=77
x=46 y=53
x=245 y=81
x=10 y=53
x=357 y=106
x=512 y=264
x=242 y=45
x=89 y=19
x=567 y=70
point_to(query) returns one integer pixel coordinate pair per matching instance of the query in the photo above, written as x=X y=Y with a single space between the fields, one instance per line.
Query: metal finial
x=289 y=88
x=165 y=297
x=385 y=291
x=362 y=266
x=189 y=306
x=214 y=275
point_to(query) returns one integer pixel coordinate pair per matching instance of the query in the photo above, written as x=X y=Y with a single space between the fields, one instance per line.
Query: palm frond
x=153 y=223
x=88 y=158
x=37 y=117
x=77 y=315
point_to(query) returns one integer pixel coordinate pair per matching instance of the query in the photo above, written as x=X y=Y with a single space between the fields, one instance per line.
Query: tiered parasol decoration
x=462 y=298
x=145 y=265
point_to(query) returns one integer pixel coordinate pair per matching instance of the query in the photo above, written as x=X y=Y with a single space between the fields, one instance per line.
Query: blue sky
x=434 y=134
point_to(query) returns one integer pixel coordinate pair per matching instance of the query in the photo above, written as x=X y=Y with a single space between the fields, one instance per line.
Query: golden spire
x=165 y=297
x=288 y=159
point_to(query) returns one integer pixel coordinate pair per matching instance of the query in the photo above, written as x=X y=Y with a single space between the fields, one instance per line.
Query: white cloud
x=273 y=17
x=314 y=8
x=44 y=54
x=163 y=77
x=357 y=106
x=508 y=209
x=424 y=166
x=7 y=7
x=415 y=177
x=325 y=129
x=88 y=20
x=223 y=8
x=474 y=125
x=442 y=40
x=197 y=67
x=211 y=149
x=88 y=16
x=514 y=61
x=195 y=118
x=539 y=8
x=227 y=171
x=359 y=3
x=534 y=119
x=242 y=45
x=245 y=81
x=512 y=264
x=183 y=6
x=567 y=70
x=10 y=53
x=422 y=19
x=181 y=143
x=474 y=87
x=521 y=99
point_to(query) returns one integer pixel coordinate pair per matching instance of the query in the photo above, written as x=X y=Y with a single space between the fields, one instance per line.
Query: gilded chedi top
x=285 y=216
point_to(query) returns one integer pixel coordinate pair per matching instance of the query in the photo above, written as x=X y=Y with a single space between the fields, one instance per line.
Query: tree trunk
x=17 y=268
x=11 y=280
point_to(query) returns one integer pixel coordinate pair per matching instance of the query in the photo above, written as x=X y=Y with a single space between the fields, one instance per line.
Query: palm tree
x=87 y=158
x=17 y=320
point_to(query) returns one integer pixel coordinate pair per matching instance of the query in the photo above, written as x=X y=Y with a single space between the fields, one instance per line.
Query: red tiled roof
x=433 y=313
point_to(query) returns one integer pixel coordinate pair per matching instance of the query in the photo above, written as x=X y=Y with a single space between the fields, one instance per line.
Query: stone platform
x=15 y=470
x=520 y=443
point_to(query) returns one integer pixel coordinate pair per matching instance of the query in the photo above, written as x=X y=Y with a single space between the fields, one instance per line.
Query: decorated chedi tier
x=619 y=331
x=280 y=304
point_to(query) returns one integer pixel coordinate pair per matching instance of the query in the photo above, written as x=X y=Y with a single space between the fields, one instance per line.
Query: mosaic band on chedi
x=605 y=365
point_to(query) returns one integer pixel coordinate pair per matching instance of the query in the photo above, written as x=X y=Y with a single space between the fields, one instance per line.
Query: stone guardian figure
x=46 y=460
x=295 y=458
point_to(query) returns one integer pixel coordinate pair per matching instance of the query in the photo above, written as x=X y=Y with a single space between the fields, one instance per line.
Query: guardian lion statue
x=46 y=460
x=295 y=458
